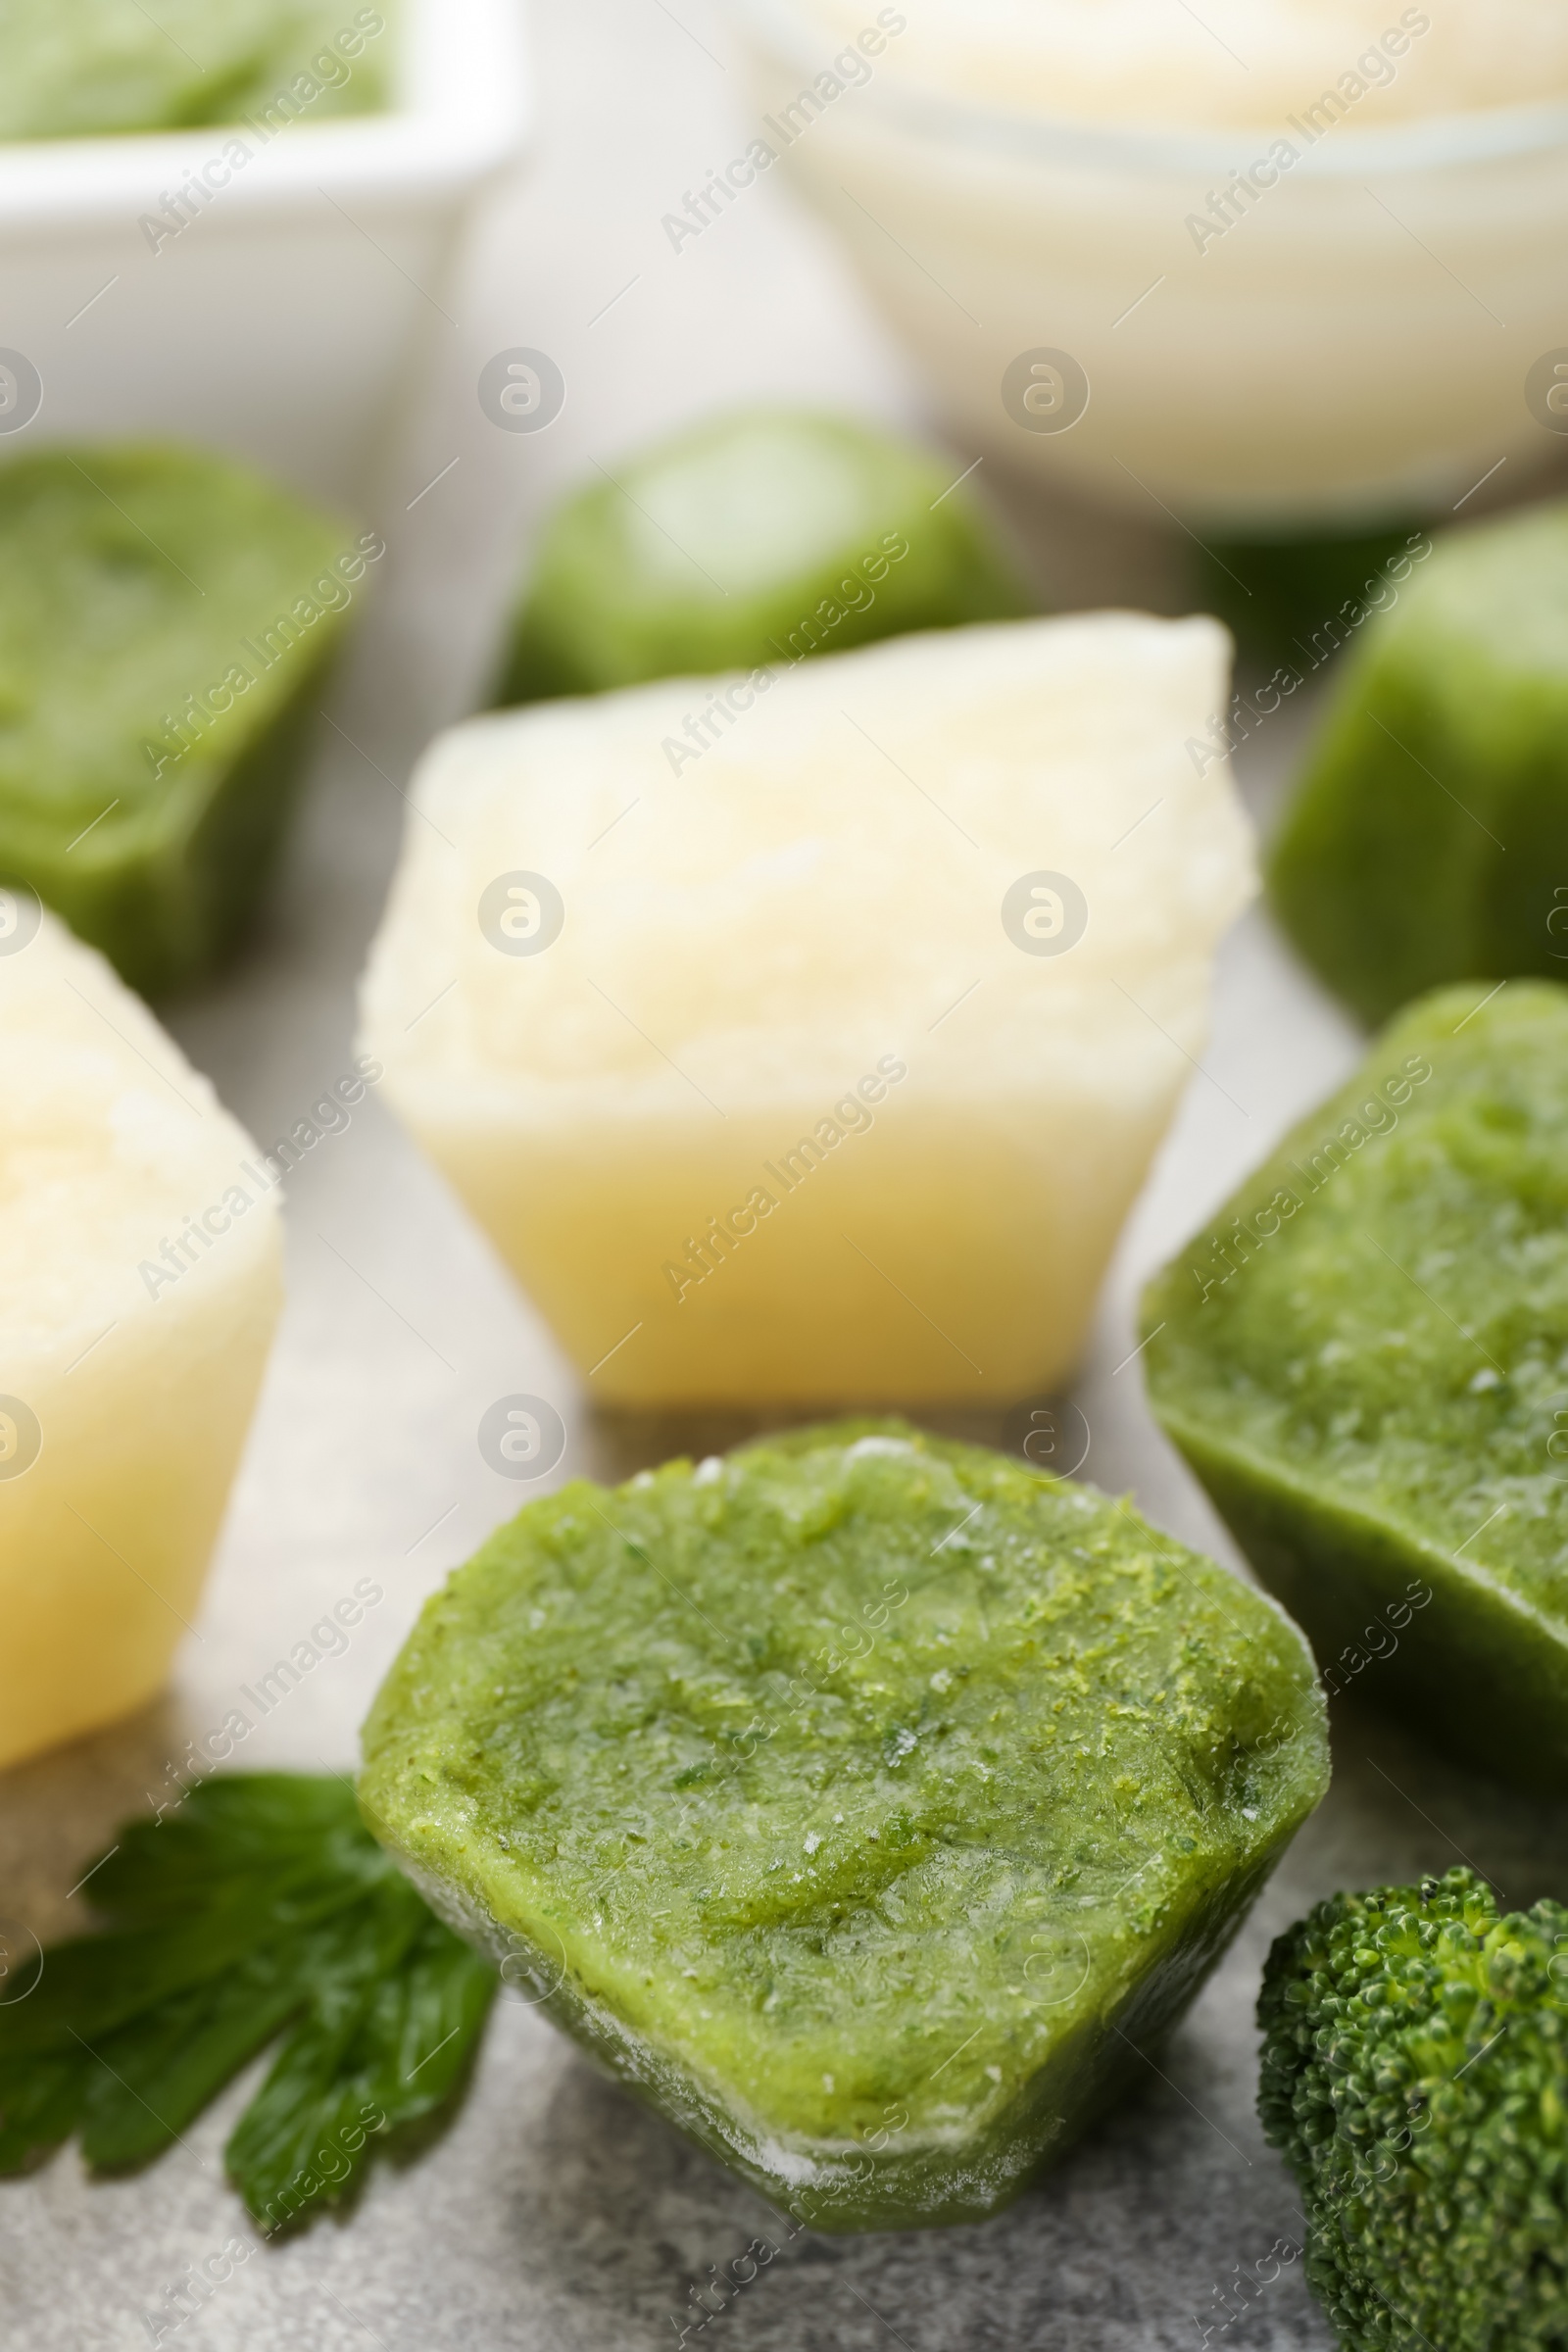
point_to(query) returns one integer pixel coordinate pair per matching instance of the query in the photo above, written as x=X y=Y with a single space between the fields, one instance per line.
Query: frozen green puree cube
x=165 y=617
x=1424 y=842
x=749 y=543
x=75 y=68
x=860 y=1798
x=1365 y=1360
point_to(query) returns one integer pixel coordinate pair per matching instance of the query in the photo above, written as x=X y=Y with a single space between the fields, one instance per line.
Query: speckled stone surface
x=556 y=2216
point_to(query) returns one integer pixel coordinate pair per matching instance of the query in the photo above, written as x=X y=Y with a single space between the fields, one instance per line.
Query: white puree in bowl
x=1159 y=61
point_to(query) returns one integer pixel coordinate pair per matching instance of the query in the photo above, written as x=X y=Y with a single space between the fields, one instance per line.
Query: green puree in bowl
x=1365 y=1360
x=165 y=617
x=73 y=69
x=860 y=1798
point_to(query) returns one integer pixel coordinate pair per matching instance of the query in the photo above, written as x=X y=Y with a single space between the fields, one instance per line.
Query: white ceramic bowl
x=283 y=320
x=1359 y=338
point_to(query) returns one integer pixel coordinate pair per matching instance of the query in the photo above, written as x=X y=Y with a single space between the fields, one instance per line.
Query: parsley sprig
x=263 y=1907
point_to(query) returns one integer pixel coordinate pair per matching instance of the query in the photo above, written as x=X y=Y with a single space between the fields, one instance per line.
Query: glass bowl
x=1262 y=343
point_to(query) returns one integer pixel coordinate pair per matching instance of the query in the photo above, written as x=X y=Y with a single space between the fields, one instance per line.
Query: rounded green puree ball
x=864 y=1801
x=753 y=541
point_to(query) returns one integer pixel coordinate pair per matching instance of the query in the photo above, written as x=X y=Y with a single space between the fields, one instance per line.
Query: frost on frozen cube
x=807 y=1034
x=1365 y=1360
x=862 y=1800
x=139 y=1271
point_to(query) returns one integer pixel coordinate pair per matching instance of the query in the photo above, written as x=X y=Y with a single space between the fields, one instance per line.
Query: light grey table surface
x=556 y=2216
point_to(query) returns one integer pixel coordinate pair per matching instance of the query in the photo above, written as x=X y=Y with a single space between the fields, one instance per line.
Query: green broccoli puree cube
x=749 y=543
x=75 y=68
x=864 y=1800
x=1365 y=1360
x=1424 y=843
x=165 y=617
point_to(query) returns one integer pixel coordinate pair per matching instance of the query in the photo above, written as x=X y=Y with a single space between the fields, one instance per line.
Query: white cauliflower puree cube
x=807 y=1037
x=138 y=1301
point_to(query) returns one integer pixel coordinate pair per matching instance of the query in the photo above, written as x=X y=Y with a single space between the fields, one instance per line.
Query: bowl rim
x=1423 y=143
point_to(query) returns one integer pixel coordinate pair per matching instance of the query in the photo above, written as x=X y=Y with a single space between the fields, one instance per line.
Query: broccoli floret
x=1415 y=2079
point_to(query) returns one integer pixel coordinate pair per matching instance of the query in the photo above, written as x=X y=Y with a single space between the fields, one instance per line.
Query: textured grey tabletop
x=555 y=2213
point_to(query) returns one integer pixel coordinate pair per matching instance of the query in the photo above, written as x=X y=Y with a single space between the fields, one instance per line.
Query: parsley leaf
x=262 y=1907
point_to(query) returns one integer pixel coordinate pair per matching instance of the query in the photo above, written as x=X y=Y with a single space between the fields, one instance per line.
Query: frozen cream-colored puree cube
x=138 y=1297
x=808 y=1037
